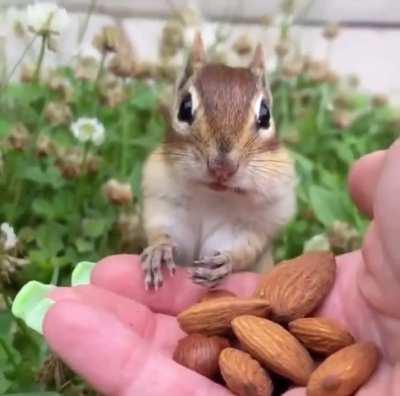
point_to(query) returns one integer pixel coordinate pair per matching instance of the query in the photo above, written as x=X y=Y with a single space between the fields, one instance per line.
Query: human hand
x=121 y=338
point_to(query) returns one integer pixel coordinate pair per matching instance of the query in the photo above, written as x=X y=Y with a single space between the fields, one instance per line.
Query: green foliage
x=324 y=152
x=63 y=220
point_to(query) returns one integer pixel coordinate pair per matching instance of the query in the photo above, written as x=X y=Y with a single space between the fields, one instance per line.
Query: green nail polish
x=31 y=304
x=82 y=272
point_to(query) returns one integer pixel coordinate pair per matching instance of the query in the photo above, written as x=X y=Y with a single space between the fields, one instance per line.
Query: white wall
x=372 y=54
x=343 y=10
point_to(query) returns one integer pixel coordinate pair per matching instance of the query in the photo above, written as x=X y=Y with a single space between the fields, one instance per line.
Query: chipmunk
x=220 y=187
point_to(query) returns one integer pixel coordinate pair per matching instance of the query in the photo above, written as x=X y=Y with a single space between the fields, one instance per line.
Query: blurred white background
x=367 y=45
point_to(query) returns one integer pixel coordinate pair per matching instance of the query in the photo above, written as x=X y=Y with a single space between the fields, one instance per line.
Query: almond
x=321 y=335
x=274 y=347
x=213 y=317
x=218 y=293
x=200 y=353
x=243 y=375
x=297 y=287
x=342 y=373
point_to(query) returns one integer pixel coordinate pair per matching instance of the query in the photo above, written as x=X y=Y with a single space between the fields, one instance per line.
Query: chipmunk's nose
x=222 y=167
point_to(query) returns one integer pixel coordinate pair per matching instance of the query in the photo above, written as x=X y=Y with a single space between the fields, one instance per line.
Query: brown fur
x=226 y=95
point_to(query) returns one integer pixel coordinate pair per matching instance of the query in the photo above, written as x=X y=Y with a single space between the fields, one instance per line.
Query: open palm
x=121 y=338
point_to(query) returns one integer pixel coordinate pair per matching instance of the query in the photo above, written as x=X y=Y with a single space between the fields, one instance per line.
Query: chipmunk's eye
x=264 y=115
x=185 y=113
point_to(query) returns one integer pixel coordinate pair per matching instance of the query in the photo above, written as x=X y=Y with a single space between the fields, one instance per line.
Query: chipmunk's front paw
x=209 y=271
x=153 y=259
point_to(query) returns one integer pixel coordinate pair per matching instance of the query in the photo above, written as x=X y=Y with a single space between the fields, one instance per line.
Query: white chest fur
x=217 y=221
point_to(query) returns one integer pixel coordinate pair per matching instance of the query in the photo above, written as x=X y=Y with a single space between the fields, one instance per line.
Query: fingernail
x=31 y=304
x=82 y=272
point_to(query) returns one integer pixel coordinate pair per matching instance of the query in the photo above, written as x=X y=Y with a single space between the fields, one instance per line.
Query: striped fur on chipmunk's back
x=221 y=186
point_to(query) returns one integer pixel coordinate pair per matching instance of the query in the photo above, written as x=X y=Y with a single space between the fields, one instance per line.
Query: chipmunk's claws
x=210 y=271
x=152 y=259
x=169 y=262
x=158 y=285
x=213 y=261
x=172 y=270
x=147 y=281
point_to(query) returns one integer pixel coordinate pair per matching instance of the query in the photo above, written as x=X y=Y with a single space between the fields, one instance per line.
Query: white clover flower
x=189 y=35
x=318 y=242
x=44 y=18
x=192 y=20
x=191 y=14
x=118 y=193
x=15 y=15
x=88 y=129
x=8 y=236
x=16 y=18
x=86 y=51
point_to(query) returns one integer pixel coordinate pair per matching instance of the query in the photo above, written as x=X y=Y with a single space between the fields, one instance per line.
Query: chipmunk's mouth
x=218 y=186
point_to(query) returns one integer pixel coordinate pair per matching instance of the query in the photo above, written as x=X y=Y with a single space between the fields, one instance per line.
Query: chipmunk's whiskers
x=265 y=173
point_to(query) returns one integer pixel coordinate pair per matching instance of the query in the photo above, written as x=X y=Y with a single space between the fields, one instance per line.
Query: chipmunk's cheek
x=241 y=182
x=195 y=172
x=267 y=134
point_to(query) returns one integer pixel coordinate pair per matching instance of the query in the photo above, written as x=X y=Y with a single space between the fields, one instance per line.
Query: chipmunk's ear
x=196 y=59
x=197 y=54
x=259 y=70
x=257 y=65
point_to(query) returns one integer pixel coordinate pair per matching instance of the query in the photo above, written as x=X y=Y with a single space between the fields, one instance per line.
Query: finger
x=122 y=274
x=387 y=207
x=336 y=305
x=163 y=330
x=114 y=359
x=363 y=180
x=380 y=277
x=296 y=392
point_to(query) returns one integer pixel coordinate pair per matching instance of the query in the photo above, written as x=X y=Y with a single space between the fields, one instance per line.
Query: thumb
x=379 y=280
x=296 y=392
x=387 y=206
x=114 y=359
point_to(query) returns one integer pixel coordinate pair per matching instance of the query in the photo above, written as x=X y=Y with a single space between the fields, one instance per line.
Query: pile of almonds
x=256 y=342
